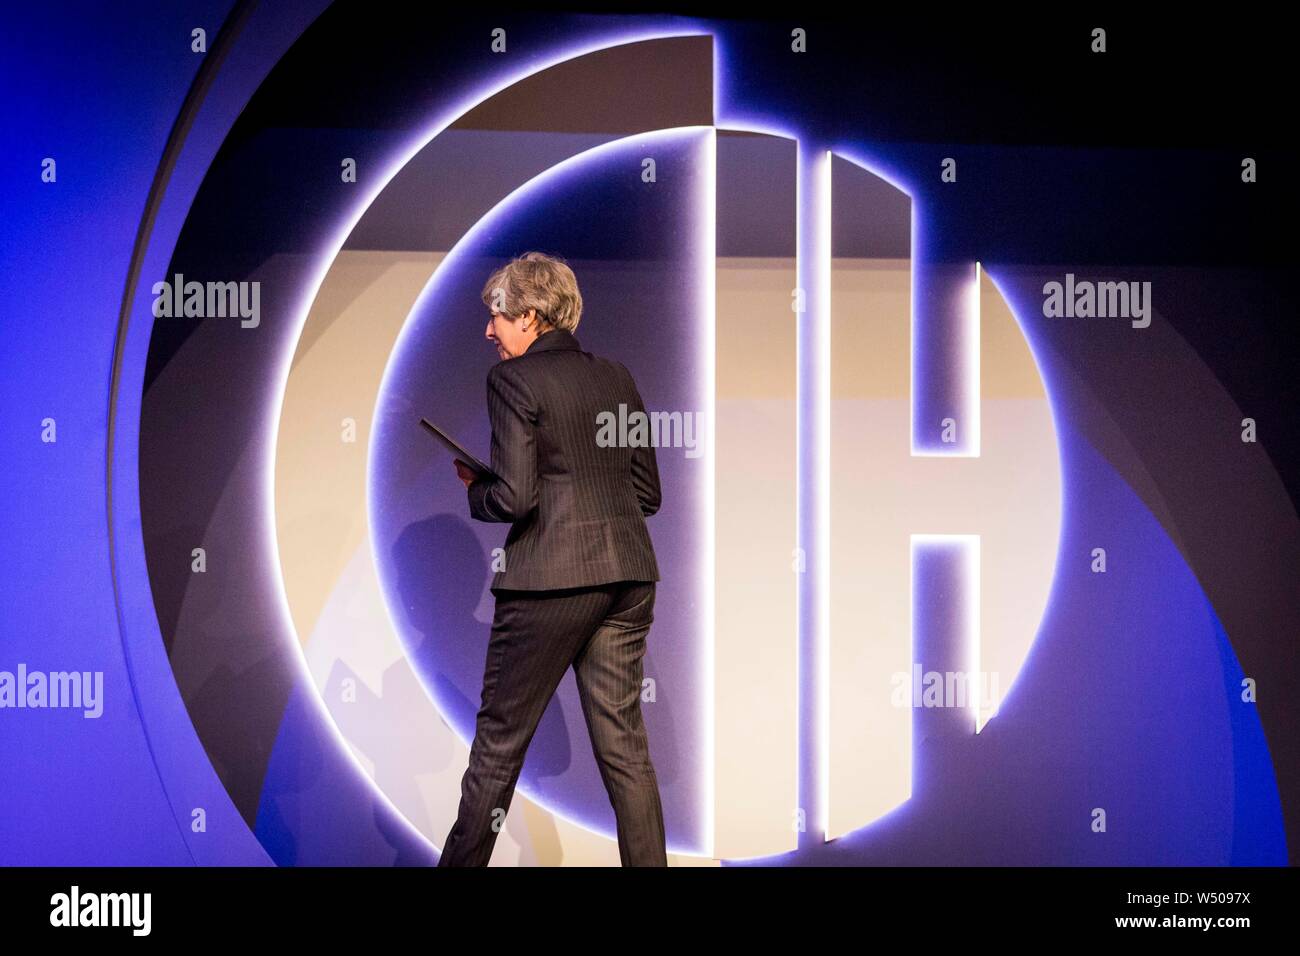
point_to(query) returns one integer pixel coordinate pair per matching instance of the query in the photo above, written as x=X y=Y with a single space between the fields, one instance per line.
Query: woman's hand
x=465 y=472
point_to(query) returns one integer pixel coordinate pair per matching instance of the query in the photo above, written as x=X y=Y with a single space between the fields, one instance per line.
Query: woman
x=578 y=583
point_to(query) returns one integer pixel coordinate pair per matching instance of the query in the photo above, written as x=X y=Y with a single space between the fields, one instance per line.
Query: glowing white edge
x=822 y=410
x=709 y=269
x=971 y=343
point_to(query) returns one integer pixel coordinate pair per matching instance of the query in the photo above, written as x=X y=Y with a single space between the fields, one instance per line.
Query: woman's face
x=505 y=333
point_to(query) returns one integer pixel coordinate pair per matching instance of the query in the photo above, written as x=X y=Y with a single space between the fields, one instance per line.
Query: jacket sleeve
x=645 y=468
x=512 y=411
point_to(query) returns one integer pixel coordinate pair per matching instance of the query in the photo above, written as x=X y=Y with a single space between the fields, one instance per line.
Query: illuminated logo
x=879 y=494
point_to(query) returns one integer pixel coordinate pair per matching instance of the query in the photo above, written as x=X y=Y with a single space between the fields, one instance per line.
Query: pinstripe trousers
x=536 y=636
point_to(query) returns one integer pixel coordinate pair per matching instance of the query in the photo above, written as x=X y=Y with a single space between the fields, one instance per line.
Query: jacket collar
x=554 y=339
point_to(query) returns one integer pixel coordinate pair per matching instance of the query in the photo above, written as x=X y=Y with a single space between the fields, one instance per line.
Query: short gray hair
x=536 y=281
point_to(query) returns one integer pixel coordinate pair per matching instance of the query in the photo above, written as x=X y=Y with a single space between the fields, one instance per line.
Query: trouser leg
x=535 y=636
x=609 y=673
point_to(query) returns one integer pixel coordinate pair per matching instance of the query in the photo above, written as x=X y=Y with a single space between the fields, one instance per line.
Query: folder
x=457 y=449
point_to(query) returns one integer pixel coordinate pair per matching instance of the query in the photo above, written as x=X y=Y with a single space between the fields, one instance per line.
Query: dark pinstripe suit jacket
x=577 y=510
